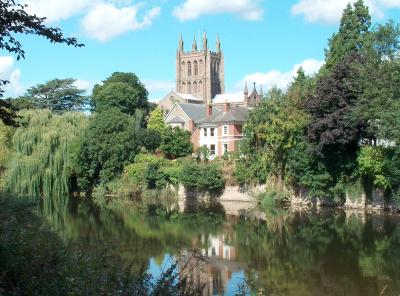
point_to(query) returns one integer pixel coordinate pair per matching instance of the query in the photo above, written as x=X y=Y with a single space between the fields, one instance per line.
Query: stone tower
x=200 y=72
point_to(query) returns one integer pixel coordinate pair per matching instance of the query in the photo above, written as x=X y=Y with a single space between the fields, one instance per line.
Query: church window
x=183 y=87
x=196 y=68
x=189 y=87
x=189 y=68
x=183 y=68
x=195 y=87
x=201 y=67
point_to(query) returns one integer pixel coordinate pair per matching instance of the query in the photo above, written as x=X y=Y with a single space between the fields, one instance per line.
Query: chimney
x=226 y=106
x=209 y=110
x=191 y=125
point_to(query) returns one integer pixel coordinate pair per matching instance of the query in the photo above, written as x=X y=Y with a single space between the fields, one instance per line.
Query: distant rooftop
x=188 y=97
x=229 y=98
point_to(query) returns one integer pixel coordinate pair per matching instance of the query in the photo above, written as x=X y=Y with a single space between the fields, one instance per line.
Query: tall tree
x=57 y=95
x=379 y=82
x=109 y=143
x=273 y=129
x=121 y=90
x=354 y=25
x=156 y=120
x=15 y=20
x=333 y=130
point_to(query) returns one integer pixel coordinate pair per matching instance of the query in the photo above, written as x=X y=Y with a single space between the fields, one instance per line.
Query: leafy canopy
x=176 y=143
x=107 y=145
x=123 y=91
x=156 y=120
x=57 y=95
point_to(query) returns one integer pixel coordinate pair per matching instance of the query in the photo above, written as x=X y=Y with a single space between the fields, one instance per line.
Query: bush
x=176 y=143
x=203 y=177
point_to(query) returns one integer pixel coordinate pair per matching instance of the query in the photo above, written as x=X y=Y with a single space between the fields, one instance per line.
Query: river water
x=273 y=252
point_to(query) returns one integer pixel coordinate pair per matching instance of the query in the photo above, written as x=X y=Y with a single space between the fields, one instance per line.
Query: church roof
x=188 y=97
x=234 y=114
x=229 y=98
x=176 y=119
x=194 y=111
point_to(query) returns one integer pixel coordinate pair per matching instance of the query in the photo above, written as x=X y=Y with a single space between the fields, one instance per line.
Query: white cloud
x=13 y=75
x=330 y=11
x=158 y=88
x=56 y=10
x=278 y=78
x=86 y=85
x=159 y=85
x=192 y=9
x=106 y=20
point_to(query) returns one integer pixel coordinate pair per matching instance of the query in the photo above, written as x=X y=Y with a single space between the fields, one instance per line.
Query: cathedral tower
x=200 y=72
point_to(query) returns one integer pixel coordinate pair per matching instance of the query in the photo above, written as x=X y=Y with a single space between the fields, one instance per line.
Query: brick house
x=218 y=129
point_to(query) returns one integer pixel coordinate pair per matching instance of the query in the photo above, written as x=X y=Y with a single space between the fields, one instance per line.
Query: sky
x=264 y=41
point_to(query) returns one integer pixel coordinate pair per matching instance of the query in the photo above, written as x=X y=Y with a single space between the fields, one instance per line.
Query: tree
x=58 y=95
x=378 y=77
x=354 y=26
x=156 y=120
x=42 y=164
x=107 y=145
x=121 y=90
x=176 y=143
x=15 y=20
x=149 y=138
x=333 y=130
x=273 y=129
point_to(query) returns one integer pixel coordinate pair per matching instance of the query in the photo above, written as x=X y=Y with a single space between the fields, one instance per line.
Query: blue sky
x=263 y=41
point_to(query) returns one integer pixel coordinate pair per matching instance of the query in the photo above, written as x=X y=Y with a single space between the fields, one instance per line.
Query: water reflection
x=277 y=253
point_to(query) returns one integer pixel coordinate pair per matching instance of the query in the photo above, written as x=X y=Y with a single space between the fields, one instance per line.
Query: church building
x=200 y=105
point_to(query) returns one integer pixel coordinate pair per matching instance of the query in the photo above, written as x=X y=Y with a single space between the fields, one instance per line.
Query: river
x=274 y=252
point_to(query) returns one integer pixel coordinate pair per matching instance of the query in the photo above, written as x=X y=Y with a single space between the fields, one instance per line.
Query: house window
x=225 y=148
x=205 y=132
x=212 y=150
x=212 y=132
x=225 y=130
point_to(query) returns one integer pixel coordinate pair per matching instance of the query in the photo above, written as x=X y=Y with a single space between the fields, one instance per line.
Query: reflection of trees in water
x=321 y=254
x=324 y=253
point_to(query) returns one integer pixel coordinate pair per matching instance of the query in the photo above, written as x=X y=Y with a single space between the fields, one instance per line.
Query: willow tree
x=42 y=163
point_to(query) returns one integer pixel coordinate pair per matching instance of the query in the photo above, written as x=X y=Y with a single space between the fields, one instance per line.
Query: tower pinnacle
x=218 y=44
x=205 y=47
x=194 y=45
x=180 y=44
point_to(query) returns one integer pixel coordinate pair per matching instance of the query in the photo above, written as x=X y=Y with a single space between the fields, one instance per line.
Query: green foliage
x=372 y=164
x=202 y=177
x=151 y=172
x=176 y=143
x=35 y=261
x=123 y=91
x=6 y=133
x=42 y=163
x=149 y=138
x=57 y=95
x=106 y=146
x=272 y=130
x=354 y=26
x=156 y=120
